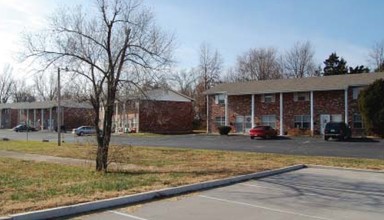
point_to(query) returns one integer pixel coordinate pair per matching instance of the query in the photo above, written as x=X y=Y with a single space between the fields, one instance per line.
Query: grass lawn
x=28 y=185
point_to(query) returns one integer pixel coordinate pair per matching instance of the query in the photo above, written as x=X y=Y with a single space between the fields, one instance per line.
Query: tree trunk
x=102 y=158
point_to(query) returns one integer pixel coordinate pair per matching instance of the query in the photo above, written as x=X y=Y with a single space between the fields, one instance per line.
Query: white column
x=34 y=118
x=42 y=119
x=312 y=121
x=50 y=119
x=138 y=117
x=19 y=116
x=253 y=110
x=207 y=114
x=281 y=115
x=346 y=105
x=226 y=110
x=116 y=118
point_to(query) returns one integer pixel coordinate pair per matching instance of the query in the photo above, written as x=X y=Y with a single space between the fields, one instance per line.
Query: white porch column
x=226 y=110
x=312 y=121
x=42 y=119
x=253 y=110
x=34 y=118
x=50 y=119
x=281 y=115
x=19 y=116
x=1 y=118
x=207 y=114
x=346 y=105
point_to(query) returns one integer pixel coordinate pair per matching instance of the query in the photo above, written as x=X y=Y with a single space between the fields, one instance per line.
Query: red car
x=263 y=132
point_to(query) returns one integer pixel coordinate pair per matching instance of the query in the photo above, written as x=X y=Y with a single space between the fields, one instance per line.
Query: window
x=269 y=120
x=220 y=121
x=302 y=121
x=355 y=92
x=357 y=121
x=268 y=98
x=301 y=96
x=220 y=99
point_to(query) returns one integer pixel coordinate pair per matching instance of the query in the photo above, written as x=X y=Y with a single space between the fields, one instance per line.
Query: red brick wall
x=325 y=102
x=165 y=117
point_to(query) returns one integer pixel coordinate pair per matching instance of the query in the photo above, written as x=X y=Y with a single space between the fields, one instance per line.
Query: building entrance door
x=243 y=123
x=324 y=119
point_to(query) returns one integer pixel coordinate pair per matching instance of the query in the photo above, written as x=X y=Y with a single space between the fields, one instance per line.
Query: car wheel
x=252 y=137
x=81 y=134
x=326 y=138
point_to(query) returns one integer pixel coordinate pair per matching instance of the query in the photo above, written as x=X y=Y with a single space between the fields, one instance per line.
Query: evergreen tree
x=358 y=69
x=335 y=66
x=371 y=106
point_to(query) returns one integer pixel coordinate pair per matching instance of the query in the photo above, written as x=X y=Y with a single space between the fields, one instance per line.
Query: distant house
x=43 y=115
x=157 y=111
x=287 y=104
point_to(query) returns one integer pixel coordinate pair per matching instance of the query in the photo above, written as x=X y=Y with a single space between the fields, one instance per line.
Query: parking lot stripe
x=285 y=190
x=263 y=207
x=127 y=215
x=369 y=193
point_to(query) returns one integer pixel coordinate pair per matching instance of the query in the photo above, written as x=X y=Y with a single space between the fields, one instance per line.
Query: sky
x=348 y=27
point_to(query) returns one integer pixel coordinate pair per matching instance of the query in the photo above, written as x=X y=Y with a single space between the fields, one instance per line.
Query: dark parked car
x=263 y=132
x=84 y=130
x=62 y=129
x=22 y=127
x=338 y=130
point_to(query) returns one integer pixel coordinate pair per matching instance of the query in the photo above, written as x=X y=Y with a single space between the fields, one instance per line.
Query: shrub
x=224 y=130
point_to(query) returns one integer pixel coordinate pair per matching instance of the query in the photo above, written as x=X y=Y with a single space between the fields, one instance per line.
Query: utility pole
x=58 y=108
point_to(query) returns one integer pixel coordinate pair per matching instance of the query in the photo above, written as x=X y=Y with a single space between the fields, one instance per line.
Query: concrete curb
x=142 y=197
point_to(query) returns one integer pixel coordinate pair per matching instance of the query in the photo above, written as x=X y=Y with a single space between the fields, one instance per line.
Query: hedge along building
x=43 y=115
x=288 y=104
x=157 y=111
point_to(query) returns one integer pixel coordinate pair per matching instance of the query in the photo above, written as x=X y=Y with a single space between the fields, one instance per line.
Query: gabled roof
x=324 y=83
x=164 y=95
x=44 y=105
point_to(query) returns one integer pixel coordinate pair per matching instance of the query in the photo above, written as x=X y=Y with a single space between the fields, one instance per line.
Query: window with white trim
x=269 y=120
x=220 y=121
x=357 y=121
x=220 y=99
x=301 y=96
x=355 y=92
x=268 y=98
x=302 y=121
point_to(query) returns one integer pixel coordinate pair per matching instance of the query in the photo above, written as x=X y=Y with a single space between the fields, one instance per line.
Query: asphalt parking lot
x=310 y=193
x=309 y=146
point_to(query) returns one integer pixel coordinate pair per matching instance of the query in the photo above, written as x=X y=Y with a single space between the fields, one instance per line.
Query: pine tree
x=335 y=66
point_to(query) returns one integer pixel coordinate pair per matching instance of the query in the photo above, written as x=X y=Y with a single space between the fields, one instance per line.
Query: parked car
x=263 y=132
x=84 y=130
x=338 y=130
x=23 y=127
x=62 y=129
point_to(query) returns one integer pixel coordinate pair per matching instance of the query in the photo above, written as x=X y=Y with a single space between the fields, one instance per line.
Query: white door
x=324 y=119
x=248 y=123
x=239 y=124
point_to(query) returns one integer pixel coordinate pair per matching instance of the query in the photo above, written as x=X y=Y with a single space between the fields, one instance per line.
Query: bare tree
x=21 y=92
x=185 y=81
x=298 y=61
x=6 y=83
x=108 y=47
x=376 y=56
x=45 y=85
x=259 y=64
x=210 y=66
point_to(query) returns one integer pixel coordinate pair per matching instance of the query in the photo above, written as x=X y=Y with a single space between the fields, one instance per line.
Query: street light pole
x=58 y=108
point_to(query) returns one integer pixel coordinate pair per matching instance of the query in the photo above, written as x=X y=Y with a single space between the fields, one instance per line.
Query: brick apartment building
x=288 y=104
x=43 y=115
x=157 y=111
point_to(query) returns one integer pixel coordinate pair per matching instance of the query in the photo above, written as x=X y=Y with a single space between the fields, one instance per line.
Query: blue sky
x=348 y=27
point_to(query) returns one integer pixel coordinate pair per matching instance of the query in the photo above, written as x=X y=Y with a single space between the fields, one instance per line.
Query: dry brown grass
x=28 y=185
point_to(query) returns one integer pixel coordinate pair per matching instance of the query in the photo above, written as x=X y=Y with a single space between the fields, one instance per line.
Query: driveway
x=358 y=148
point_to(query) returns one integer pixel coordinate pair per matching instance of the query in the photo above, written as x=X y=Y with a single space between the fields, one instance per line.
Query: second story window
x=220 y=99
x=268 y=98
x=301 y=96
